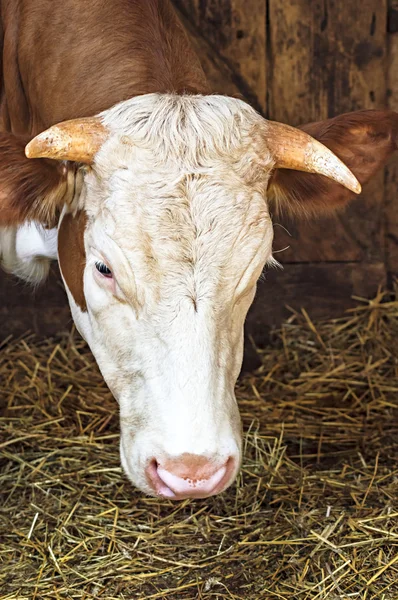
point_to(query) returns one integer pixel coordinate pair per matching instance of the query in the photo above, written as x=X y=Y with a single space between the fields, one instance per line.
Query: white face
x=185 y=232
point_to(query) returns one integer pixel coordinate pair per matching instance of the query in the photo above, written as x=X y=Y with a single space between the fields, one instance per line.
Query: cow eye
x=103 y=269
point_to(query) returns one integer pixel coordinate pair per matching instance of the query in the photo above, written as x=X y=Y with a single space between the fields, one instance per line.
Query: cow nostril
x=156 y=482
x=152 y=467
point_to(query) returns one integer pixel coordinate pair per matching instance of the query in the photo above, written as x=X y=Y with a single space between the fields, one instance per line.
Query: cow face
x=172 y=233
x=160 y=251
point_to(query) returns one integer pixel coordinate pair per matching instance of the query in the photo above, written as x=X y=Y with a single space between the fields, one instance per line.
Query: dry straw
x=314 y=514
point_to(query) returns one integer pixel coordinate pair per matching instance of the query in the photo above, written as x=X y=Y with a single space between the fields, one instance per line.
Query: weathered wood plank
x=391 y=184
x=236 y=32
x=219 y=74
x=328 y=58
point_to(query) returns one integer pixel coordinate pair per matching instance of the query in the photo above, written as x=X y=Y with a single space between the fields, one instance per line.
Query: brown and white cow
x=157 y=200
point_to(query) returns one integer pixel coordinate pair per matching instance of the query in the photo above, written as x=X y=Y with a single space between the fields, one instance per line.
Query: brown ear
x=363 y=140
x=30 y=189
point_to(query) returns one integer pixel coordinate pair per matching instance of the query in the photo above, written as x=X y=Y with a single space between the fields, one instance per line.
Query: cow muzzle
x=183 y=452
x=190 y=476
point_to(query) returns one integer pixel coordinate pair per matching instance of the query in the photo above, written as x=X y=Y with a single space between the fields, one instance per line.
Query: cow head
x=164 y=231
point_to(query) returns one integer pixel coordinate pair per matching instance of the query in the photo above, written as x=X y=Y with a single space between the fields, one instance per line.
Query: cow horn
x=77 y=140
x=292 y=148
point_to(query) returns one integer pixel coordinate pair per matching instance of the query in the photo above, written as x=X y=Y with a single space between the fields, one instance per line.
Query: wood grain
x=235 y=30
x=220 y=75
x=391 y=182
x=328 y=57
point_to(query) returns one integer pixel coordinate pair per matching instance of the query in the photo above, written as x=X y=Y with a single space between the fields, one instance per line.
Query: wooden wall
x=295 y=61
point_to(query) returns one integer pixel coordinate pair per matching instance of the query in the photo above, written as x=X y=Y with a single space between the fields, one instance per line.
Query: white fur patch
x=28 y=250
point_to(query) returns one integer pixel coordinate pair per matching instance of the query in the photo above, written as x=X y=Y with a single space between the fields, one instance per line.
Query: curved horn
x=292 y=148
x=77 y=140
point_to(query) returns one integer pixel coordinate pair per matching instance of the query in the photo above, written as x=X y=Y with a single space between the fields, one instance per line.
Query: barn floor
x=313 y=516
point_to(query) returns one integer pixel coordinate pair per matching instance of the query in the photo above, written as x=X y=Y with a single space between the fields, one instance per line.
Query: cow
x=156 y=197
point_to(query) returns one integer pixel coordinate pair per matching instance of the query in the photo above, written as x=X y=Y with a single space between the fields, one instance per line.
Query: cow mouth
x=198 y=489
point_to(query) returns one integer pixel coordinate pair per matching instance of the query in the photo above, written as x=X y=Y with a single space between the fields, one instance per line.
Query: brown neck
x=106 y=52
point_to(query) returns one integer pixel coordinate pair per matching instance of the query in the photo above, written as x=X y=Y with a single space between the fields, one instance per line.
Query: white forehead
x=158 y=142
x=188 y=130
x=177 y=181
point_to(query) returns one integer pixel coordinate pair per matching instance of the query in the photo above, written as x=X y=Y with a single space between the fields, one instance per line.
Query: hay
x=314 y=514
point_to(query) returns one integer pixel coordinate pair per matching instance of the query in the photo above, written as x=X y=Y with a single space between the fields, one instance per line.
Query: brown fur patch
x=72 y=254
x=108 y=52
x=29 y=189
x=363 y=140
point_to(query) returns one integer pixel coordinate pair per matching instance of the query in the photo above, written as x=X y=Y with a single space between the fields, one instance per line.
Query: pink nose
x=189 y=476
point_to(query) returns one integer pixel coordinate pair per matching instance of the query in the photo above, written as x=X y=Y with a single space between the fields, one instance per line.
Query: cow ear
x=30 y=189
x=363 y=140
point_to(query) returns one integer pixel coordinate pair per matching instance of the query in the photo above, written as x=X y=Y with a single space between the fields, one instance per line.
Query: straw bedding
x=314 y=513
